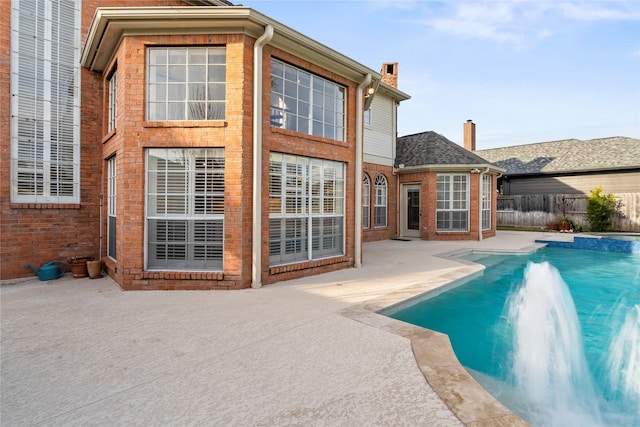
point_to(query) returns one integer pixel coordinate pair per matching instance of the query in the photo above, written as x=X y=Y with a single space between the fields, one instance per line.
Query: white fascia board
x=449 y=168
x=398 y=95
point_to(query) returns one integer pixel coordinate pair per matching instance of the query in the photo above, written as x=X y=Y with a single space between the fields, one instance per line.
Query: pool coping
x=471 y=403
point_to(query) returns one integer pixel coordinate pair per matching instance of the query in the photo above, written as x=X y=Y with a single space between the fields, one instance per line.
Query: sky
x=523 y=71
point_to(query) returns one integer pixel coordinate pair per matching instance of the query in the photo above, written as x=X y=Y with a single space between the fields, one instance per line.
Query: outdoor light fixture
x=475 y=170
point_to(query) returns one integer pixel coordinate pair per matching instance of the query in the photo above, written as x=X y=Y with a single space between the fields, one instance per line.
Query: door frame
x=404 y=230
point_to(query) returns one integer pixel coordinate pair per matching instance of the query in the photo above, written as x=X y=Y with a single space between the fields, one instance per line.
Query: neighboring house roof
x=430 y=150
x=567 y=156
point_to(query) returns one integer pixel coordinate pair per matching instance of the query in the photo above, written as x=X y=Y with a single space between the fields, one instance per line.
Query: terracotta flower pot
x=95 y=269
x=78 y=266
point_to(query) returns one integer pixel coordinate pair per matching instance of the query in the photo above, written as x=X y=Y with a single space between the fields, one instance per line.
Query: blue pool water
x=478 y=316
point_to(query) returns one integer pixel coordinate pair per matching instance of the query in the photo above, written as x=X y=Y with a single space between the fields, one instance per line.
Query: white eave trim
x=481 y=167
x=110 y=25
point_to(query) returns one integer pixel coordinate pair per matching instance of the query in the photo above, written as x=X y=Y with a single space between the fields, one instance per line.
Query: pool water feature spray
x=549 y=363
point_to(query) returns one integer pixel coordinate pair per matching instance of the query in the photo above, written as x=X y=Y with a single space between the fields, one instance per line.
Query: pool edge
x=471 y=403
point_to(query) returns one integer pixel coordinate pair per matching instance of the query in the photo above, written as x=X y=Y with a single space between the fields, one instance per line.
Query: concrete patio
x=303 y=352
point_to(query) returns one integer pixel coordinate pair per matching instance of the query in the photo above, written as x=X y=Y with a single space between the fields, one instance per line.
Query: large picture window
x=452 y=202
x=486 y=202
x=186 y=83
x=380 y=202
x=185 y=208
x=45 y=101
x=306 y=103
x=306 y=208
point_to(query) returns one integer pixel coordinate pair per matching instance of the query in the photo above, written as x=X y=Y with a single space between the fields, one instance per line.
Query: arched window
x=380 y=202
x=366 y=201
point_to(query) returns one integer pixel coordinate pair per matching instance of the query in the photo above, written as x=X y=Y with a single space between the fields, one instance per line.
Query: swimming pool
x=478 y=316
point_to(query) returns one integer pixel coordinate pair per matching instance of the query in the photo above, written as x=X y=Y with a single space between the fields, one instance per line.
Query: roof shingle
x=431 y=148
x=566 y=156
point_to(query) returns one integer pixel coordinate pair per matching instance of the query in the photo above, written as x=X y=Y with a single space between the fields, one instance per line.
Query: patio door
x=410 y=210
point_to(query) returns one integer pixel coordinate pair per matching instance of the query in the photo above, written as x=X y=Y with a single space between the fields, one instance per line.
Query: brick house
x=446 y=191
x=188 y=144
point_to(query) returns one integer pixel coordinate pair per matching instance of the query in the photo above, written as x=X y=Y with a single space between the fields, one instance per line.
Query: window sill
x=305 y=265
x=44 y=206
x=299 y=135
x=186 y=124
x=181 y=275
x=108 y=136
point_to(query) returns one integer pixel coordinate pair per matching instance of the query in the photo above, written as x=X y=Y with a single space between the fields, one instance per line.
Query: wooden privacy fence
x=538 y=210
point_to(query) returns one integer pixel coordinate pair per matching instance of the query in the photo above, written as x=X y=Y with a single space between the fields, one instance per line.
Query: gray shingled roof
x=569 y=155
x=431 y=148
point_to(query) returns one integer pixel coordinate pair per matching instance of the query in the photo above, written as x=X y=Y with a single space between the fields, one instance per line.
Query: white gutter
x=358 y=177
x=256 y=238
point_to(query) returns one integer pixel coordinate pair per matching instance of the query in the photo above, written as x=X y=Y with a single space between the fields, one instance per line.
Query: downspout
x=256 y=238
x=480 y=202
x=358 y=177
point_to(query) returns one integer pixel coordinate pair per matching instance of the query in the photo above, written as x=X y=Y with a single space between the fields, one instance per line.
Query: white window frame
x=452 y=202
x=184 y=200
x=306 y=209
x=307 y=103
x=45 y=102
x=186 y=83
x=112 y=194
x=366 y=201
x=381 y=188
x=113 y=101
x=367 y=117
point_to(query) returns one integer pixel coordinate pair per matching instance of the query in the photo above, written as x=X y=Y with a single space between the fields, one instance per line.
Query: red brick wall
x=281 y=140
x=133 y=135
x=391 y=230
x=37 y=234
x=428 y=231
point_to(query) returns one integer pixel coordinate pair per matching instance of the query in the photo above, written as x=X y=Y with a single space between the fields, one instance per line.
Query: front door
x=410 y=210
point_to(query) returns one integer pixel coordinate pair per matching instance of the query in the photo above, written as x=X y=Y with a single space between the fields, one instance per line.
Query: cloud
x=517 y=22
x=600 y=11
x=489 y=21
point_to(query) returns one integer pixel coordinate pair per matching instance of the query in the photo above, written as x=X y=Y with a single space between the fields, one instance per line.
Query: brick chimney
x=470 y=135
x=389 y=73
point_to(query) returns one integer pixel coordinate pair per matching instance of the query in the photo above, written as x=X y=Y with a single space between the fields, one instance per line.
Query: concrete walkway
x=83 y=352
